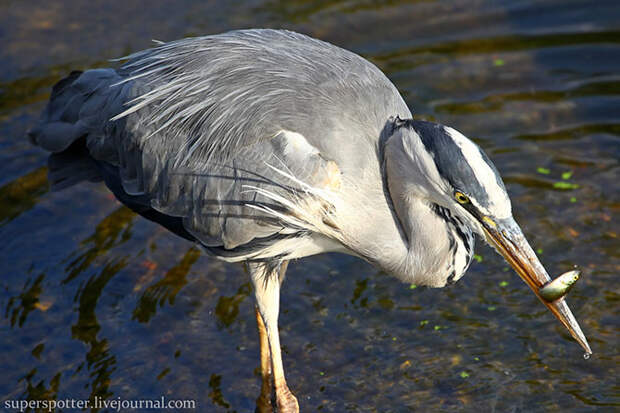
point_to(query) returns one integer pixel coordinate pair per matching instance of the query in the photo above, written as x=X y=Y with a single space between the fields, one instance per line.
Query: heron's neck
x=439 y=246
x=461 y=243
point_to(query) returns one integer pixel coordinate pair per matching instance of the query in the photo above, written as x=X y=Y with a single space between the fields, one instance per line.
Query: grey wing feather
x=193 y=123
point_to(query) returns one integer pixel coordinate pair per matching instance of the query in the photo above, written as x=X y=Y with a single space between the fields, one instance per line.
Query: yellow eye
x=461 y=197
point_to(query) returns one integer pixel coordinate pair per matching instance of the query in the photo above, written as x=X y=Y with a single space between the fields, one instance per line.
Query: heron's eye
x=461 y=197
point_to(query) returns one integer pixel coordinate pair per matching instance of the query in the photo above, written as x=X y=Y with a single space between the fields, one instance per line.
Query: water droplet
x=586 y=355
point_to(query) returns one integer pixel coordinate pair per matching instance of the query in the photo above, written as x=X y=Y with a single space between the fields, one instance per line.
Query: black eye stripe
x=452 y=164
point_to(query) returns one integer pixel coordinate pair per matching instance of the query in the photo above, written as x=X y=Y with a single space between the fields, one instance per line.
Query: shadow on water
x=99 y=303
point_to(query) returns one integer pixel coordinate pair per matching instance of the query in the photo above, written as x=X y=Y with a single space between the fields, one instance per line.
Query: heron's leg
x=263 y=403
x=266 y=279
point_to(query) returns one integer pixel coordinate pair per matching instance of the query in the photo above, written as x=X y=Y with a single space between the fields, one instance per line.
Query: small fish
x=558 y=287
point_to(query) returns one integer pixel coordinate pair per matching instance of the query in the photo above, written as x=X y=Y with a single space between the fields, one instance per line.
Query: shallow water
x=97 y=301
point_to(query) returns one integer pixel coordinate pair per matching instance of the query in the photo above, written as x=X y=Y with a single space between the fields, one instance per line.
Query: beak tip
x=562 y=312
x=511 y=243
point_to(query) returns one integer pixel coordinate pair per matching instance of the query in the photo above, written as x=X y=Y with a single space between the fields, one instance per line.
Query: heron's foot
x=287 y=402
x=263 y=402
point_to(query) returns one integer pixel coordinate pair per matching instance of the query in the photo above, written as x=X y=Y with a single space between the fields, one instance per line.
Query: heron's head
x=458 y=175
x=440 y=165
x=446 y=168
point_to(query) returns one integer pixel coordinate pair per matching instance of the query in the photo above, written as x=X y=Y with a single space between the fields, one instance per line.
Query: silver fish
x=558 y=287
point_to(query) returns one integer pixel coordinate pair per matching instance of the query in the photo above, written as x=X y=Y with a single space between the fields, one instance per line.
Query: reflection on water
x=577 y=132
x=112 y=231
x=496 y=102
x=22 y=194
x=165 y=289
x=216 y=392
x=99 y=302
x=19 y=307
x=227 y=308
x=508 y=43
x=100 y=362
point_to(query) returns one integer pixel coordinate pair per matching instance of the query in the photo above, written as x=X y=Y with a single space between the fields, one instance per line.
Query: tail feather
x=78 y=107
x=56 y=132
x=59 y=94
x=55 y=136
x=76 y=113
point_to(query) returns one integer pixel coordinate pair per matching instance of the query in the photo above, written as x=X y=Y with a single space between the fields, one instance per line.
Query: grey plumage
x=188 y=116
x=267 y=145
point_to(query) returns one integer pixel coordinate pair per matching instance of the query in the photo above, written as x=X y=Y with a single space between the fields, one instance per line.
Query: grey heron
x=264 y=146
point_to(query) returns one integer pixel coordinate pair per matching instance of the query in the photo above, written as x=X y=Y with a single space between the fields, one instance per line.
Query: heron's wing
x=222 y=203
x=193 y=125
x=226 y=204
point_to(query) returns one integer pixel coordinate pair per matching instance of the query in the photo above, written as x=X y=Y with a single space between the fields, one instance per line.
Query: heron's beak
x=508 y=239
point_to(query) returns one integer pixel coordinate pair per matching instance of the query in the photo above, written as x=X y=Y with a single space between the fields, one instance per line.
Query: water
x=97 y=302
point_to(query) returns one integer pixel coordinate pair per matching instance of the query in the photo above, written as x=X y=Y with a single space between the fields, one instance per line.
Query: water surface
x=96 y=301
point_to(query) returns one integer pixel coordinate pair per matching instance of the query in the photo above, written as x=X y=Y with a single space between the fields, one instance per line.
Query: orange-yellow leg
x=263 y=403
x=267 y=280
